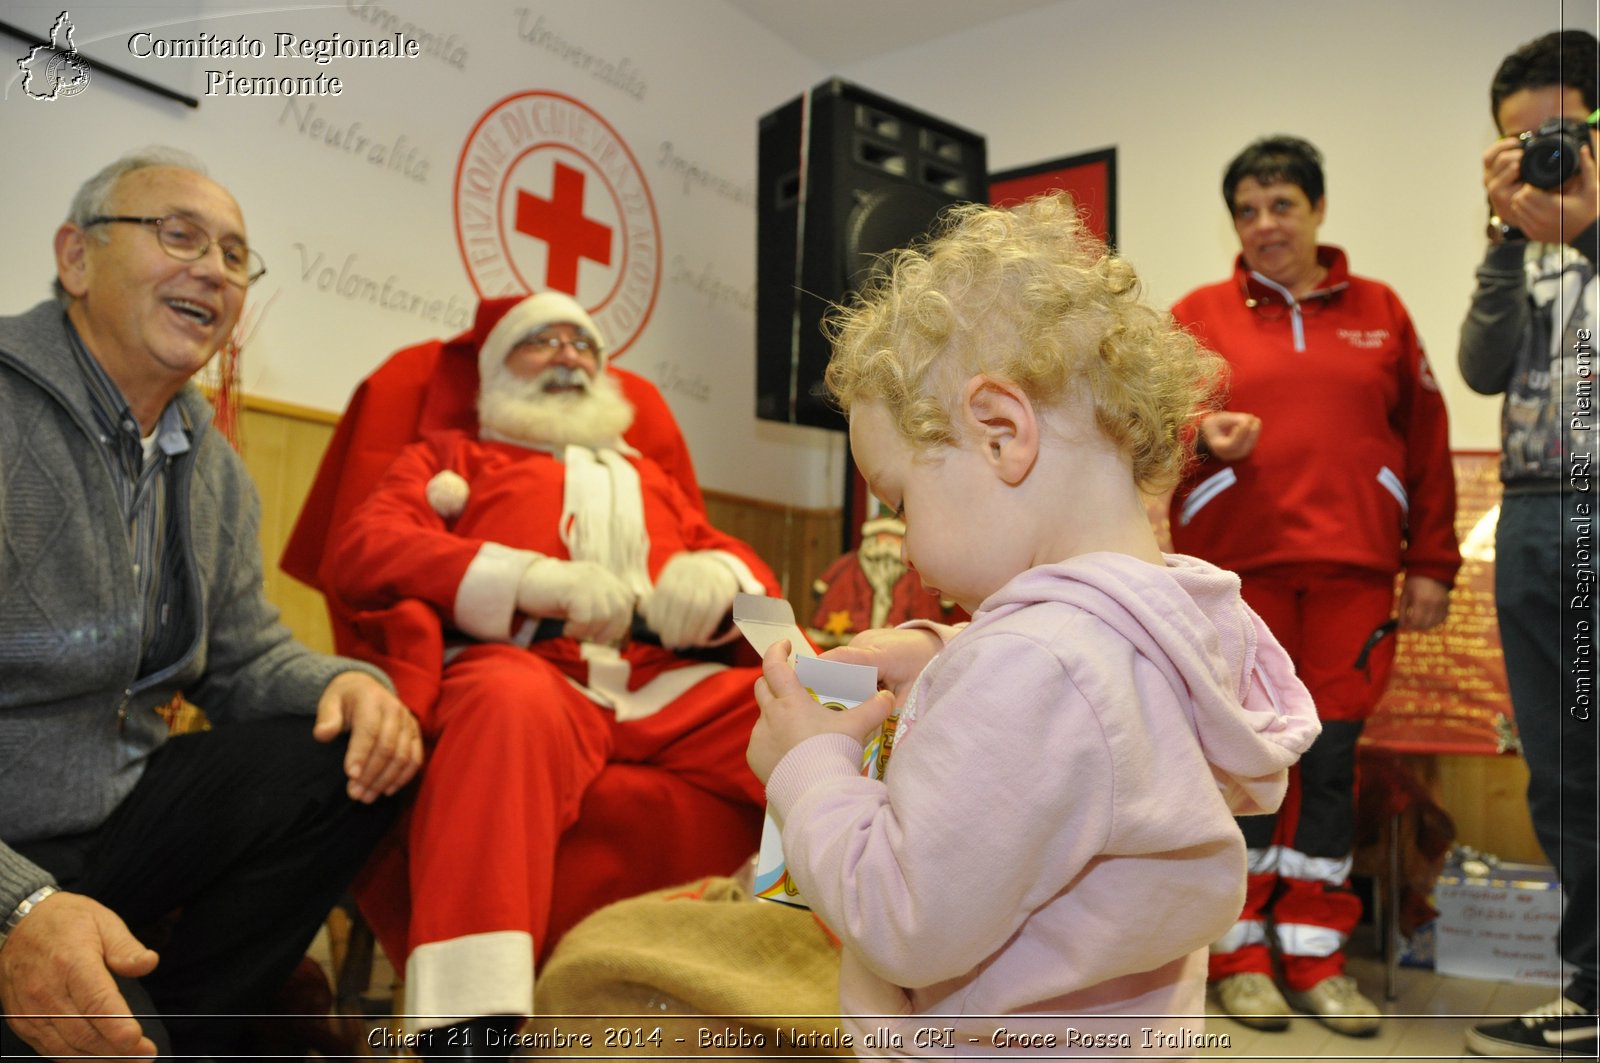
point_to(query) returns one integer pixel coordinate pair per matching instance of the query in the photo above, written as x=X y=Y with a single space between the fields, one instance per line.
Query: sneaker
x=1560 y=1028
x=1339 y=1005
x=1252 y=999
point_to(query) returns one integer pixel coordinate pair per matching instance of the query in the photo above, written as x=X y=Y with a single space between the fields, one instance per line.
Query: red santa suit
x=1349 y=483
x=522 y=726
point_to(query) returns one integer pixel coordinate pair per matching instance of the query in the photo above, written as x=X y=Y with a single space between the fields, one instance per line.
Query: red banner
x=1448 y=692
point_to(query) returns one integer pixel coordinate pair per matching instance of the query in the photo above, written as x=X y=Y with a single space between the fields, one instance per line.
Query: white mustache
x=562 y=376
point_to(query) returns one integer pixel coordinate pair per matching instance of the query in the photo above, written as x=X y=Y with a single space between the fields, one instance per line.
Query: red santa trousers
x=1325 y=616
x=513 y=747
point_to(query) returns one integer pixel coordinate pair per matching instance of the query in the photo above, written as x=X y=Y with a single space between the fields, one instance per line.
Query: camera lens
x=1550 y=155
x=1548 y=165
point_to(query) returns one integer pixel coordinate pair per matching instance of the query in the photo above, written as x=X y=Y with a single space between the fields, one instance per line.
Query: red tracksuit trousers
x=1298 y=892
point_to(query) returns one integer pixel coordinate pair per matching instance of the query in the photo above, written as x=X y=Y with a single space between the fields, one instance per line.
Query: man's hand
x=1230 y=435
x=1551 y=216
x=1502 y=174
x=597 y=606
x=790 y=715
x=1424 y=603
x=691 y=600
x=385 y=748
x=56 y=980
x=899 y=655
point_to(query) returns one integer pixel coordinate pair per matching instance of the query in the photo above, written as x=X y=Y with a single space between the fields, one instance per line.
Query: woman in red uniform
x=1326 y=475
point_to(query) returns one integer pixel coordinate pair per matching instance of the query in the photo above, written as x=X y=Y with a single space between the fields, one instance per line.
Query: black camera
x=1550 y=153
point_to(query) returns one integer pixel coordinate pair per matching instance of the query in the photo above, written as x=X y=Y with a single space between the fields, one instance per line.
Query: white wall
x=1393 y=91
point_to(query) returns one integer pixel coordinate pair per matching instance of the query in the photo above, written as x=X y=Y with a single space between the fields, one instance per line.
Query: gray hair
x=94 y=195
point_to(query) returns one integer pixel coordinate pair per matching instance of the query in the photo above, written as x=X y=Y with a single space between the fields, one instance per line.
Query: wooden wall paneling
x=797 y=543
x=1487 y=798
x=282 y=447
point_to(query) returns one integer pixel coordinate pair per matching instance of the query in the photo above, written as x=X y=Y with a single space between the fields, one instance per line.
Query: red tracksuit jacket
x=1353 y=463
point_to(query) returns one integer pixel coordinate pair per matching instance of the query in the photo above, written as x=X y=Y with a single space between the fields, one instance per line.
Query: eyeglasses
x=186 y=241
x=582 y=345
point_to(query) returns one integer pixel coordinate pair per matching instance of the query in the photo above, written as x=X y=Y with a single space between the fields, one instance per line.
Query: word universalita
x=317 y=50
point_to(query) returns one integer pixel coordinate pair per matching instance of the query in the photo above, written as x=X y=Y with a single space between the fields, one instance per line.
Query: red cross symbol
x=560 y=223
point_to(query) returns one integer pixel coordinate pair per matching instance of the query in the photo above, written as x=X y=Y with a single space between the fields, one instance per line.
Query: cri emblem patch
x=548 y=197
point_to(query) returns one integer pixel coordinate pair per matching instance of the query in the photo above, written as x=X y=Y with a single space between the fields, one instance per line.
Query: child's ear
x=1001 y=416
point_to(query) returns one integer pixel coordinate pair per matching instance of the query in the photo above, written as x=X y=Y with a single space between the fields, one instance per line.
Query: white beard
x=522 y=411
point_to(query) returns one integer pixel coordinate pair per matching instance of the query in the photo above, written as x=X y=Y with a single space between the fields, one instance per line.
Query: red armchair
x=640 y=828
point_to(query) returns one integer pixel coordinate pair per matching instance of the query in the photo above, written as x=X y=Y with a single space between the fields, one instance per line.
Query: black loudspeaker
x=844 y=175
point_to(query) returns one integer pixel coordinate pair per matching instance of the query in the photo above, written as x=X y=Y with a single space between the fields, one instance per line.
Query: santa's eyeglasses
x=583 y=346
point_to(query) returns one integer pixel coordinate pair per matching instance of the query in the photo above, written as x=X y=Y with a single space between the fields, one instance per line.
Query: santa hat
x=524 y=318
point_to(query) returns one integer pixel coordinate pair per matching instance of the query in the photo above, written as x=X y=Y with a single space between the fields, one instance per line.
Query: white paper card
x=835 y=684
x=764 y=621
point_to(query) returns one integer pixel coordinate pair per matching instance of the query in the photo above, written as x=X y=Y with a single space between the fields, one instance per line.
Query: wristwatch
x=1501 y=232
x=28 y=904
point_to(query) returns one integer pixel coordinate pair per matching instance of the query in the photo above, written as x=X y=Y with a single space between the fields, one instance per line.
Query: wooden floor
x=1426 y=1021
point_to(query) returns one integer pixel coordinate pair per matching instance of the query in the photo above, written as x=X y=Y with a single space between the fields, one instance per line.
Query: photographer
x=1530 y=325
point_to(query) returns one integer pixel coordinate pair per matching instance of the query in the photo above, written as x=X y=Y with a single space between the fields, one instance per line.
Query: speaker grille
x=878 y=172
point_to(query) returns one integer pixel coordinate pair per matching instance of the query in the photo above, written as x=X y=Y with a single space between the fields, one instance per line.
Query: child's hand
x=790 y=715
x=899 y=655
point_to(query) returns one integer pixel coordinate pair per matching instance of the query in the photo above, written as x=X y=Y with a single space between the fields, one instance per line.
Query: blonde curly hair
x=1028 y=295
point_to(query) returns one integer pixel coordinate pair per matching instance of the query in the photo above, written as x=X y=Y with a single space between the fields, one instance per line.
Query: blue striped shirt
x=140 y=472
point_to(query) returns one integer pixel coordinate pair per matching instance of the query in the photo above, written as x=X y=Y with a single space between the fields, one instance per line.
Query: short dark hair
x=1276 y=158
x=1564 y=58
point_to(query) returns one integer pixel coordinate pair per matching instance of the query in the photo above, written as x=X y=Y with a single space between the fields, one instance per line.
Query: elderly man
x=184 y=876
x=577 y=583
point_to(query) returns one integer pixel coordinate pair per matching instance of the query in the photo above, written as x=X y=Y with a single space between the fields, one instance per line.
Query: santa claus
x=579 y=589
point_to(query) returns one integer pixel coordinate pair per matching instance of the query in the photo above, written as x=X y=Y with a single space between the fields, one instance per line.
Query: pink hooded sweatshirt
x=1053 y=846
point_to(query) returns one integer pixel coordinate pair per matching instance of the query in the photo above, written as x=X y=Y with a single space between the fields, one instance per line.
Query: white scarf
x=602 y=520
x=602 y=515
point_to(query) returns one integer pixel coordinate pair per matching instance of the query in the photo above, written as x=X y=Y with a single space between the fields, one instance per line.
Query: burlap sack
x=701 y=969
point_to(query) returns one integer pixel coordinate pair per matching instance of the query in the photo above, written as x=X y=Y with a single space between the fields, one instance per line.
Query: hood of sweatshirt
x=1249 y=711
